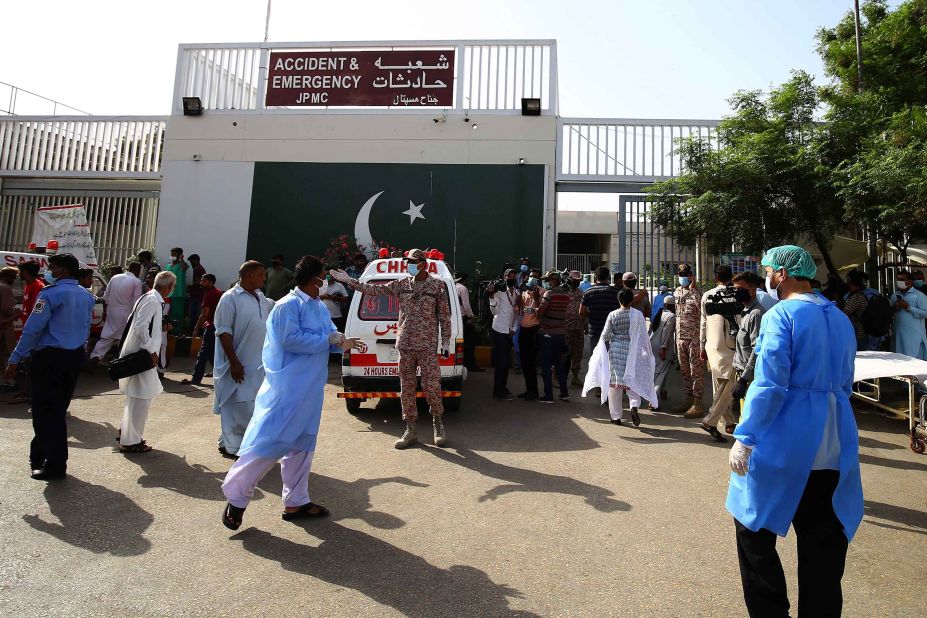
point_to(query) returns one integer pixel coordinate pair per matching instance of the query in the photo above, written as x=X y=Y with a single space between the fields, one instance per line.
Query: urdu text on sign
x=407 y=78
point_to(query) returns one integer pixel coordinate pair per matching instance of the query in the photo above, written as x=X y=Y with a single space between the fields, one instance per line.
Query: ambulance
x=373 y=371
x=13 y=258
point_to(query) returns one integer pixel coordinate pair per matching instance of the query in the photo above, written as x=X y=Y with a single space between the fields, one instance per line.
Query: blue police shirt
x=60 y=319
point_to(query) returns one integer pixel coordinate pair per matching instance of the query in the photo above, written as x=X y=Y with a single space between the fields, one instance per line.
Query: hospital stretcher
x=871 y=367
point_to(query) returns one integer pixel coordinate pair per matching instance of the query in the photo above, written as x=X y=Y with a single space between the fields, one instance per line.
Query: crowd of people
x=782 y=345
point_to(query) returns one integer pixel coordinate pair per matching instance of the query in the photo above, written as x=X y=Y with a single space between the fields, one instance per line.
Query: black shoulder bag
x=136 y=362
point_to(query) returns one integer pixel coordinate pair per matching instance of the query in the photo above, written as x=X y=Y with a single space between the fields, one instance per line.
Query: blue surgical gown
x=910 y=337
x=804 y=372
x=288 y=408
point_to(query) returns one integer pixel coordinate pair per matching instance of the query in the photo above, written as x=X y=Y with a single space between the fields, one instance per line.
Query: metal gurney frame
x=917 y=406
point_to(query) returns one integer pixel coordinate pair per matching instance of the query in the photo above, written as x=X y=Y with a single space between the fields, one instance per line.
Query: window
x=383 y=308
x=379 y=308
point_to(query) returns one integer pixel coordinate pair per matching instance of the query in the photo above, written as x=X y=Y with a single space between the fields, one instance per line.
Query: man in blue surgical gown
x=796 y=459
x=910 y=311
x=288 y=409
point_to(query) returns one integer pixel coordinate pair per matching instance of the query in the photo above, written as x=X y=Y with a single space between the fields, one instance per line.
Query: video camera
x=727 y=302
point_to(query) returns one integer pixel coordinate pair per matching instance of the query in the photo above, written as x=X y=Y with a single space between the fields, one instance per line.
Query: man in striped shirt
x=554 y=304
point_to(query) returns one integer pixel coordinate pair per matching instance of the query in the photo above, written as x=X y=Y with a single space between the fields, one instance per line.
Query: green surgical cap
x=796 y=261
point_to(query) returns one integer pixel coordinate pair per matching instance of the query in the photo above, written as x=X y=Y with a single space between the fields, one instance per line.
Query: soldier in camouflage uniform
x=575 y=325
x=423 y=307
x=688 y=341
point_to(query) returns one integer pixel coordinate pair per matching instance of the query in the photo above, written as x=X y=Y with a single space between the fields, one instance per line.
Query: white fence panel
x=121 y=226
x=96 y=145
x=490 y=76
x=624 y=148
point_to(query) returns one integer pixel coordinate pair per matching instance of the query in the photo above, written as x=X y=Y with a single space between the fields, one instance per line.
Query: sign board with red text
x=402 y=78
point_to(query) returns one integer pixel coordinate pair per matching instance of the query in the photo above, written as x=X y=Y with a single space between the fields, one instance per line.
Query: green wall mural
x=489 y=213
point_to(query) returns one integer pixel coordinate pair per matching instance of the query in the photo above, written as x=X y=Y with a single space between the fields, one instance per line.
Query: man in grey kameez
x=240 y=322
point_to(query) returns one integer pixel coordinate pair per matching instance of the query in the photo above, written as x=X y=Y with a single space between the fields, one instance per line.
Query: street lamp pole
x=267 y=24
x=859 y=43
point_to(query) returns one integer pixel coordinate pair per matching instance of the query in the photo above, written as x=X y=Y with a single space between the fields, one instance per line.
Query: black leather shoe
x=41 y=474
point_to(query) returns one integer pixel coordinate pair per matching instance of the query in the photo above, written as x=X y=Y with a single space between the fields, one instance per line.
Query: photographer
x=717 y=345
x=503 y=302
x=750 y=314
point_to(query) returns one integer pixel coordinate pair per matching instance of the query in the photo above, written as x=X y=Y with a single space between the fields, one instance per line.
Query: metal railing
x=97 y=146
x=624 y=149
x=583 y=262
x=120 y=226
x=489 y=76
x=13 y=97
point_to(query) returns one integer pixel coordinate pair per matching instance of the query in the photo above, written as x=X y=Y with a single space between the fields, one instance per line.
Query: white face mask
x=773 y=292
x=901 y=285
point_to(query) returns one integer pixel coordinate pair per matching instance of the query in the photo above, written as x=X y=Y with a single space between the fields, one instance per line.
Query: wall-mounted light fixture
x=530 y=107
x=192 y=106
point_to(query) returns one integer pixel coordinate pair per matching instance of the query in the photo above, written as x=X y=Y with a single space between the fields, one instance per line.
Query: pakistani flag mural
x=486 y=213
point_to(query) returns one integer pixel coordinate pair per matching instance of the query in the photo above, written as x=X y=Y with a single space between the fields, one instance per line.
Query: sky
x=617 y=58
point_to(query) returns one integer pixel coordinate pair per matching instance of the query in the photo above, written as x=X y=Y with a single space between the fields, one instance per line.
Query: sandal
x=232 y=517
x=18 y=399
x=729 y=429
x=189 y=382
x=141 y=447
x=306 y=511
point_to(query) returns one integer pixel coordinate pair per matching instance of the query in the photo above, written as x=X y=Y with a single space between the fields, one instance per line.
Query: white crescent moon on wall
x=362 y=223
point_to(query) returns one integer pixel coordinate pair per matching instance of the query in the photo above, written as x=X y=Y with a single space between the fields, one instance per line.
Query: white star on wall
x=414 y=212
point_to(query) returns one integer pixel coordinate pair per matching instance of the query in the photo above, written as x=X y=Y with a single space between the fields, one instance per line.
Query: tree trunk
x=825 y=253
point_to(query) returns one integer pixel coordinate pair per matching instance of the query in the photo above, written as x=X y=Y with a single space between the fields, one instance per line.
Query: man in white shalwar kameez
x=240 y=322
x=622 y=361
x=120 y=295
x=288 y=410
x=141 y=389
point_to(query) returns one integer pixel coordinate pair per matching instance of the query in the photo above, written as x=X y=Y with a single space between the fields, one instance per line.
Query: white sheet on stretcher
x=871 y=365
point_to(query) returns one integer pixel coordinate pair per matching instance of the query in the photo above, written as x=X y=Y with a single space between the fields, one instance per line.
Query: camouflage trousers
x=427 y=360
x=688 y=351
x=576 y=340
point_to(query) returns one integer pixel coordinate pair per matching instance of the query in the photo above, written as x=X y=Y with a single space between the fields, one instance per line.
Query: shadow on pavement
x=166 y=470
x=346 y=499
x=866 y=442
x=898 y=464
x=89 y=435
x=508 y=427
x=94 y=518
x=916 y=521
x=385 y=573
x=523 y=480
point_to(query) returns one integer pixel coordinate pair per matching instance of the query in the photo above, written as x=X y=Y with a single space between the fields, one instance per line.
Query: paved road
x=531 y=510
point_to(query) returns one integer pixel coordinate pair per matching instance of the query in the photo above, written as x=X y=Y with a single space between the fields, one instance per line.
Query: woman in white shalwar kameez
x=622 y=361
x=140 y=389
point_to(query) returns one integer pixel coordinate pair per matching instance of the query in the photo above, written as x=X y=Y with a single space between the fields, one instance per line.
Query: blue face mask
x=413 y=269
x=547 y=285
x=685 y=281
x=918 y=284
x=524 y=268
x=532 y=282
x=49 y=277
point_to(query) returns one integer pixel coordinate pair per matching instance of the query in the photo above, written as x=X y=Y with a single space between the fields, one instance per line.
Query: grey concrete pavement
x=531 y=510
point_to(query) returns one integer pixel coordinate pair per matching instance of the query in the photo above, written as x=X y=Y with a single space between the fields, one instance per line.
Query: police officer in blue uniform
x=54 y=335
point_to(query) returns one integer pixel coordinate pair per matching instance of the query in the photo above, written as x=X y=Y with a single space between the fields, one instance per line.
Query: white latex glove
x=340 y=275
x=740 y=458
x=335 y=338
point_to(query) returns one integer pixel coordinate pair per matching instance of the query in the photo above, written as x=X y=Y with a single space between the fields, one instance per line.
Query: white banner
x=68 y=225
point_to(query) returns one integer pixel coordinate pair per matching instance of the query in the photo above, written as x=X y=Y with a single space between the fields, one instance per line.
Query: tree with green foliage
x=760 y=182
x=878 y=129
